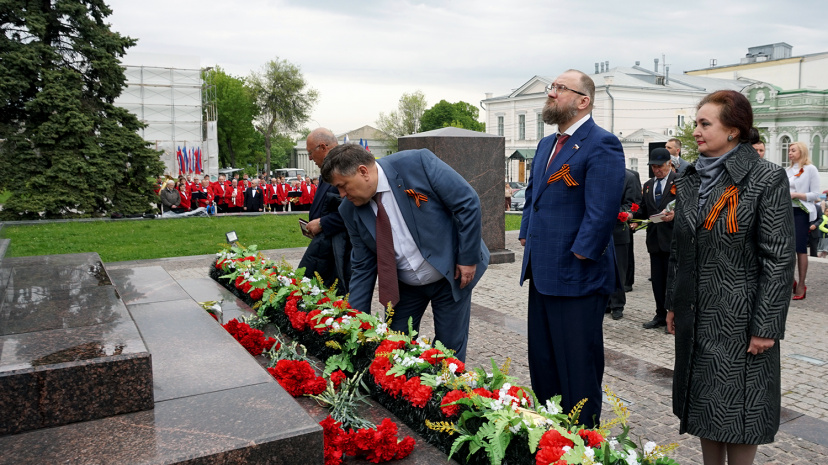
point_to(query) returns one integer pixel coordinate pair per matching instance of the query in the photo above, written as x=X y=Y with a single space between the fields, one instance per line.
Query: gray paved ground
x=639 y=361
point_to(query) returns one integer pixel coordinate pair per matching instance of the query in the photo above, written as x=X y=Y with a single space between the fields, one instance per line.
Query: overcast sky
x=363 y=55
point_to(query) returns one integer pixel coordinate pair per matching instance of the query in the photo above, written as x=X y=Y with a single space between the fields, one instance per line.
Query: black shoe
x=617 y=313
x=627 y=288
x=655 y=323
x=607 y=310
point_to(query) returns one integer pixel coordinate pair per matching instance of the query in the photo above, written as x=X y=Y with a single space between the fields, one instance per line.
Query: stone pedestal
x=69 y=350
x=478 y=157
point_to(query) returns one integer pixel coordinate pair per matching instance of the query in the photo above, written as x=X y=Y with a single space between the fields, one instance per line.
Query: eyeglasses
x=310 y=152
x=558 y=88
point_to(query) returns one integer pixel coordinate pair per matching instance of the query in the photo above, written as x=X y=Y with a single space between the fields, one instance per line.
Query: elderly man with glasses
x=329 y=252
x=572 y=203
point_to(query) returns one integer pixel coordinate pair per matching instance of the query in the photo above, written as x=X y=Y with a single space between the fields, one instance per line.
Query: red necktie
x=389 y=290
x=558 y=146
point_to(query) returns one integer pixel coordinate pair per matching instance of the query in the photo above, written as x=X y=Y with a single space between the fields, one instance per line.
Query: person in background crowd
x=235 y=197
x=184 y=194
x=281 y=194
x=630 y=279
x=755 y=140
x=245 y=183
x=657 y=194
x=159 y=185
x=306 y=199
x=813 y=232
x=571 y=208
x=220 y=189
x=804 y=180
x=621 y=239
x=823 y=227
x=203 y=194
x=254 y=198
x=508 y=197
x=731 y=268
x=678 y=164
x=269 y=191
x=170 y=198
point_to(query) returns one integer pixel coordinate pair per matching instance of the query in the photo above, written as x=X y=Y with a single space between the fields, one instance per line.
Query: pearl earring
x=729 y=138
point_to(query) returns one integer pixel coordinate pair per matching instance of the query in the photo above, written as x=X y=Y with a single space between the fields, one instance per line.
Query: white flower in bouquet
x=382 y=328
x=632 y=457
x=314 y=291
x=453 y=367
x=305 y=280
x=649 y=447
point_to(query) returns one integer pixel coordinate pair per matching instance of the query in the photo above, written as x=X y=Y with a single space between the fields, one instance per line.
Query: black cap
x=659 y=156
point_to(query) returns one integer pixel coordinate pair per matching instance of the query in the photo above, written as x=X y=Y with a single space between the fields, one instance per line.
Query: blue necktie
x=658 y=192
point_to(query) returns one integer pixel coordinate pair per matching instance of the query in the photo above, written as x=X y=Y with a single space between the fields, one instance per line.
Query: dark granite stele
x=478 y=157
x=69 y=350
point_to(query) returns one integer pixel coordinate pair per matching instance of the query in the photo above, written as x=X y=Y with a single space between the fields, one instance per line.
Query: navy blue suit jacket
x=447 y=228
x=559 y=220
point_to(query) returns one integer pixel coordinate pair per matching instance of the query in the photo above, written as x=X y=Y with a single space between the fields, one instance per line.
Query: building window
x=784 y=143
x=634 y=164
x=521 y=127
x=816 y=155
x=680 y=121
x=540 y=127
x=500 y=126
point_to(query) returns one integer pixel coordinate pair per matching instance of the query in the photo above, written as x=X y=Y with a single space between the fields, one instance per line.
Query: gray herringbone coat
x=724 y=288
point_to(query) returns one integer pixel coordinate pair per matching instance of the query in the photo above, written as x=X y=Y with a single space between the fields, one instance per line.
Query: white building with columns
x=636 y=104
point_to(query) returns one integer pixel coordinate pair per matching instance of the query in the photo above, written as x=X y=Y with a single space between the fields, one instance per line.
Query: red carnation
x=322 y=301
x=461 y=367
x=432 y=356
x=554 y=439
x=239 y=281
x=591 y=438
x=417 y=393
x=623 y=217
x=298 y=319
x=337 y=377
x=405 y=447
x=256 y=294
x=313 y=322
x=483 y=392
x=452 y=396
x=387 y=346
x=634 y=207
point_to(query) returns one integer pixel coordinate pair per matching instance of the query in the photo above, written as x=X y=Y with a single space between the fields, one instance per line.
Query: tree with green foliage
x=235 y=110
x=283 y=99
x=67 y=150
x=460 y=115
x=689 y=148
x=405 y=120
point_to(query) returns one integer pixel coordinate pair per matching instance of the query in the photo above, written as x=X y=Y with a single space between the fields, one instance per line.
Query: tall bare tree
x=283 y=98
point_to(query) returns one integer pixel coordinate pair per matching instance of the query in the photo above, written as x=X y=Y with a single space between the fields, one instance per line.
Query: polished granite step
x=69 y=349
x=214 y=403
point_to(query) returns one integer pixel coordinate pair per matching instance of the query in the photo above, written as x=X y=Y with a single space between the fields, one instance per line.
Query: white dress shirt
x=412 y=268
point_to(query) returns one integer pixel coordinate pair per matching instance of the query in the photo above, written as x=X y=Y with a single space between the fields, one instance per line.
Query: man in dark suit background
x=329 y=252
x=415 y=224
x=630 y=278
x=679 y=164
x=622 y=240
x=253 y=197
x=657 y=194
x=571 y=208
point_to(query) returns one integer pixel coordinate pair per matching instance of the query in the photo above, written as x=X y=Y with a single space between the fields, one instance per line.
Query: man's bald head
x=319 y=142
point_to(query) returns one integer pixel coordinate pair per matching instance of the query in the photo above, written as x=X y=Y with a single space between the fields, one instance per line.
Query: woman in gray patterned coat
x=729 y=286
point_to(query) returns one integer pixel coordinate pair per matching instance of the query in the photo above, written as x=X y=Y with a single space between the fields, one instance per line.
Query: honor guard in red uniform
x=184 y=193
x=235 y=197
x=203 y=193
x=220 y=189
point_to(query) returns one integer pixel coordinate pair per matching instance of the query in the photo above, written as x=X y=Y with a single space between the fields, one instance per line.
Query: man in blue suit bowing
x=572 y=203
x=415 y=224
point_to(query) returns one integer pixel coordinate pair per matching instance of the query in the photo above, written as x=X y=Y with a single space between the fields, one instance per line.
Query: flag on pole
x=199 y=167
x=346 y=140
x=366 y=146
x=180 y=159
x=361 y=144
x=193 y=161
x=186 y=161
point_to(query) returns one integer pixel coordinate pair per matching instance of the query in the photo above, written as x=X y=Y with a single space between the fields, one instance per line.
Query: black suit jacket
x=329 y=253
x=659 y=235
x=251 y=203
x=631 y=195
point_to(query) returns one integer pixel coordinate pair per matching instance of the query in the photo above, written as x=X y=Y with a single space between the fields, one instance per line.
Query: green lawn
x=143 y=239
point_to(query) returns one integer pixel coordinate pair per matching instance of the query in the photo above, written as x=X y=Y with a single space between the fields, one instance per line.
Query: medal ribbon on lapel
x=563 y=173
x=731 y=197
x=416 y=196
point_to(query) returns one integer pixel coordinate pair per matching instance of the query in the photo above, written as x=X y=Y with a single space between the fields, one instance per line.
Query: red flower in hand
x=634 y=207
x=623 y=217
